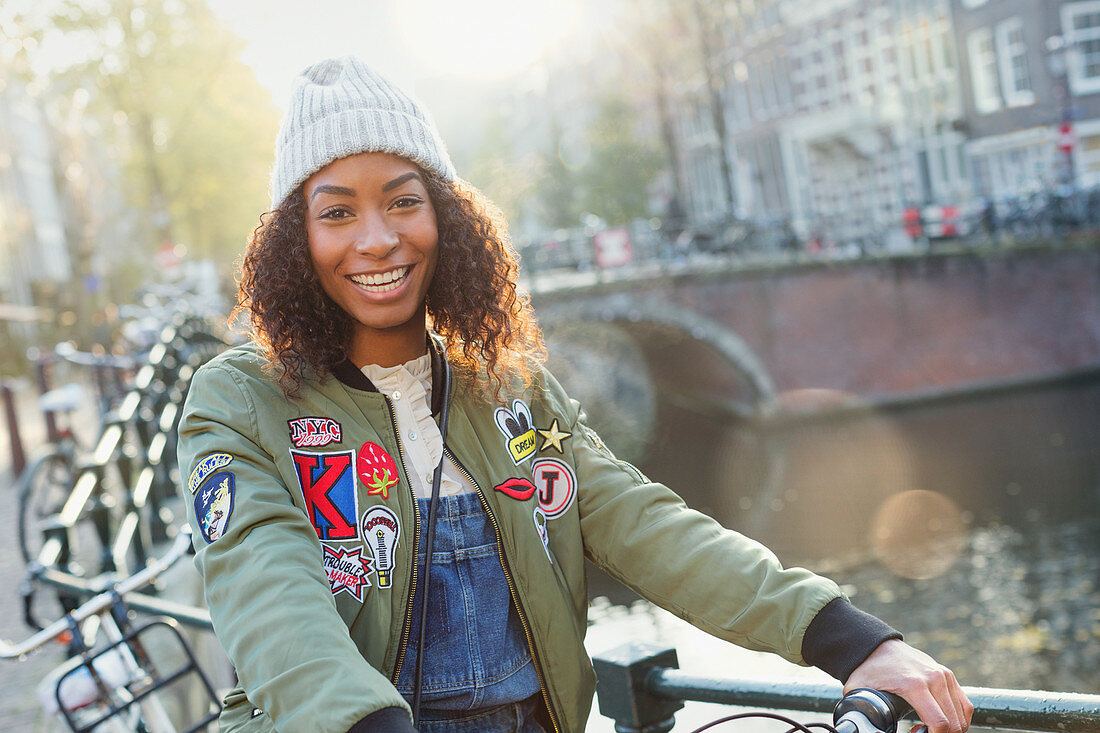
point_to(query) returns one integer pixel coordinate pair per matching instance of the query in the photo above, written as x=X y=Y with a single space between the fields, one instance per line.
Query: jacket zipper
x=406 y=628
x=512 y=589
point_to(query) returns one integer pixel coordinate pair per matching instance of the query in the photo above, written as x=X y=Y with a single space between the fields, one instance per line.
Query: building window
x=983 y=71
x=1012 y=55
x=1081 y=27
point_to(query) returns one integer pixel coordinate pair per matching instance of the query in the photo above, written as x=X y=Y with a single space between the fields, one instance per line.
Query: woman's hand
x=929 y=687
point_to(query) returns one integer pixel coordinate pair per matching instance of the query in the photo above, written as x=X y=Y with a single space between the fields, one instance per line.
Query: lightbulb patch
x=327 y=483
x=381 y=532
x=517 y=488
x=377 y=469
x=557 y=485
x=214 y=504
x=516 y=426
x=348 y=571
x=540 y=527
x=205 y=467
x=313 y=432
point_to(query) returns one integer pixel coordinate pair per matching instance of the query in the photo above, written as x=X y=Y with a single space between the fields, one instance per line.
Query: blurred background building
x=135 y=139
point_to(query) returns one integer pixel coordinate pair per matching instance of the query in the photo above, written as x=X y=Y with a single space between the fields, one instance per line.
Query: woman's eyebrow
x=399 y=180
x=329 y=188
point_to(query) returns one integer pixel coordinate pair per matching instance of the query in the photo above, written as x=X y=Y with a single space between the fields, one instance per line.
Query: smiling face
x=374 y=245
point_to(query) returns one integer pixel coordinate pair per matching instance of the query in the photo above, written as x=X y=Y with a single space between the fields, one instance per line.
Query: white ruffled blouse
x=409 y=387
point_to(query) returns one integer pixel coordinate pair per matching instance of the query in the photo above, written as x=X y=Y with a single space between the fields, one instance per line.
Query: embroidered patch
x=517 y=488
x=313 y=432
x=347 y=570
x=540 y=527
x=557 y=486
x=553 y=437
x=381 y=531
x=328 y=486
x=214 y=504
x=377 y=469
x=517 y=428
x=207 y=466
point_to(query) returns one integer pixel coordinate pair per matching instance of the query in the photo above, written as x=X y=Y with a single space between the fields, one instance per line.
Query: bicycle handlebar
x=864 y=710
x=97 y=603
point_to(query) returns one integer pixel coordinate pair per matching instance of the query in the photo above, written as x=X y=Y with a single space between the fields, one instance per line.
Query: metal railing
x=640 y=687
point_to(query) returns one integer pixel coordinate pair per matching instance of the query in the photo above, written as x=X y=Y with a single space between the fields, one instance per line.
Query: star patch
x=553 y=437
x=515 y=425
x=348 y=571
x=377 y=469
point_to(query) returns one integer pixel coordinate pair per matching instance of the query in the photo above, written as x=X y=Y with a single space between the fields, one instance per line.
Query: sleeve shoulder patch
x=214 y=504
x=205 y=467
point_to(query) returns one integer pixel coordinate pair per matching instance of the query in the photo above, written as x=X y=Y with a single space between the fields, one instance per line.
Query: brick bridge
x=870 y=330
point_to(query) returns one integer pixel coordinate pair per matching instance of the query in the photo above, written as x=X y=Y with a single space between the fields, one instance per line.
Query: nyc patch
x=348 y=571
x=327 y=482
x=313 y=432
x=517 y=428
x=377 y=469
x=553 y=437
x=214 y=504
x=517 y=488
x=381 y=532
x=207 y=466
x=557 y=485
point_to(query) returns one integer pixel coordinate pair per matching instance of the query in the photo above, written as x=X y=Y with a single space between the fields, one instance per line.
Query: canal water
x=971 y=523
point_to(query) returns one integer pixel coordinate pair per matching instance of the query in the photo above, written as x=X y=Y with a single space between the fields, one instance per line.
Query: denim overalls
x=478 y=673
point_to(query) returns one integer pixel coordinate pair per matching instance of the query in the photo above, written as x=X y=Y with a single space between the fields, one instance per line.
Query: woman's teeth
x=381 y=282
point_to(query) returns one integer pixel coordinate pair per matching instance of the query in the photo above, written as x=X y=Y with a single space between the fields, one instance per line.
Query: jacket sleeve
x=264 y=582
x=723 y=582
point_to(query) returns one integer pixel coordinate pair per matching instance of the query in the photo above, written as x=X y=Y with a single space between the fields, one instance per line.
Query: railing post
x=42 y=368
x=621 y=688
x=18 y=456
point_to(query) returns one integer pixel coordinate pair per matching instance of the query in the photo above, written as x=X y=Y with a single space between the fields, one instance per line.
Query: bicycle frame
x=125 y=641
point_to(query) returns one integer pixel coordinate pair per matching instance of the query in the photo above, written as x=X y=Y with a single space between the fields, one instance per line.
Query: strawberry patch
x=377 y=469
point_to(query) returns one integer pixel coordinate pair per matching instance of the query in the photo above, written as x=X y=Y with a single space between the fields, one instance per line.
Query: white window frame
x=1005 y=53
x=1075 y=67
x=986 y=92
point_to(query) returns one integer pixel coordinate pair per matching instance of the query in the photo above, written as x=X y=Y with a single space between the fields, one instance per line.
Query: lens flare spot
x=918 y=534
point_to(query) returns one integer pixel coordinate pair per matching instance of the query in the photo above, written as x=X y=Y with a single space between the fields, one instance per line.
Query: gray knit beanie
x=341 y=107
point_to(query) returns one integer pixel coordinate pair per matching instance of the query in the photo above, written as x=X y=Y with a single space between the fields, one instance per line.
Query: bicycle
x=117 y=685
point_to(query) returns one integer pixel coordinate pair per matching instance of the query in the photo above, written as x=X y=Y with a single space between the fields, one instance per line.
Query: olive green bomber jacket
x=305 y=530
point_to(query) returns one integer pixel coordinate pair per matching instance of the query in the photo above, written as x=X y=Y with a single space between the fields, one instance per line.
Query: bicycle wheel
x=41 y=498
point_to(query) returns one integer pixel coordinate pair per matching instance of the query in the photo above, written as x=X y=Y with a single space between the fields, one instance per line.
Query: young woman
x=392 y=407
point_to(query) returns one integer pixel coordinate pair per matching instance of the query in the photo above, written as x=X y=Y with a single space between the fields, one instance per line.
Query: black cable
x=429 y=537
x=795 y=725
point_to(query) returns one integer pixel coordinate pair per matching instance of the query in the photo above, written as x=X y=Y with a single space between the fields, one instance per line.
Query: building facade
x=843 y=113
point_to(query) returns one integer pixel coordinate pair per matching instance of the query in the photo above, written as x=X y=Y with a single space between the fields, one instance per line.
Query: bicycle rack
x=112 y=701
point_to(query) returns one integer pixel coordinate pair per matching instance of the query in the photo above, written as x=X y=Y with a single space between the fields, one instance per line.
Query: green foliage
x=622 y=165
x=187 y=122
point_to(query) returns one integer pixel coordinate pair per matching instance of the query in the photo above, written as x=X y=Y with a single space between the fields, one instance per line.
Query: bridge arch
x=658 y=326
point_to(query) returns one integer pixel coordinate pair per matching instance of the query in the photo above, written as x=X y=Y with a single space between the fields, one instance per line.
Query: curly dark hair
x=488 y=325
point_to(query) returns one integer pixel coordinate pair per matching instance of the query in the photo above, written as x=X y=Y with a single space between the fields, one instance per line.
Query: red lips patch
x=517 y=488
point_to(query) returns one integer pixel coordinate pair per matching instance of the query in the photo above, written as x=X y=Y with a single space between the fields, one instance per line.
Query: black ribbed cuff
x=386 y=720
x=841 y=636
